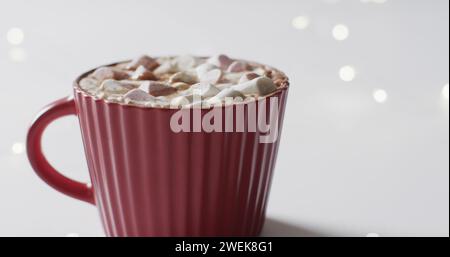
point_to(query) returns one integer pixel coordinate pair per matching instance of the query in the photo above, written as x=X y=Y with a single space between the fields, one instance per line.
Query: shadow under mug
x=147 y=180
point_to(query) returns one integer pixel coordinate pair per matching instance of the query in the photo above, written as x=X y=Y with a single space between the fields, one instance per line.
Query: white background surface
x=347 y=165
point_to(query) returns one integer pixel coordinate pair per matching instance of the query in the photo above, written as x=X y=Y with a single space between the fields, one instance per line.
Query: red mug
x=147 y=180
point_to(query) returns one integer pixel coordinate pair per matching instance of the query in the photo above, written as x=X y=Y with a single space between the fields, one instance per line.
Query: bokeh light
x=445 y=92
x=18 y=148
x=17 y=54
x=300 y=22
x=347 y=73
x=380 y=95
x=15 y=36
x=341 y=32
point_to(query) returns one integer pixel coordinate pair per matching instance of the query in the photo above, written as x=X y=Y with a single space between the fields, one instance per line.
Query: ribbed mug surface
x=151 y=181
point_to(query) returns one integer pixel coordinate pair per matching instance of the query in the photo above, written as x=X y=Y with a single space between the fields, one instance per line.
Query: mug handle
x=53 y=111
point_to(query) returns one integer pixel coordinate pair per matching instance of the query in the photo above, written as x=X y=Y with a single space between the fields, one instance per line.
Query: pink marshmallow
x=138 y=95
x=237 y=66
x=221 y=61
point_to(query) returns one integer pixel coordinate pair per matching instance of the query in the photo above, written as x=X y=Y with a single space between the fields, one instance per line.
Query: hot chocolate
x=183 y=81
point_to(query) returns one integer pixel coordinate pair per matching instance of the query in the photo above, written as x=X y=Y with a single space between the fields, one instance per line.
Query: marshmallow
x=121 y=75
x=223 y=86
x=278 y=78
x=155 y=88
x=260 y=86
x=237 y=66
x=204 y=90
x=111 y=86
x=88 y=84
x=221 y=61
x=247 y=77
x=104 y=73
x=229 y=92
x=183 y=76
x=180 y=86
x=148 y=62
x=268 y=74
x=185 y=62
x=212 y=76
x=135 y=83
x=204 y=68
x=181 y=100
x=141 y=73
x=165 y=67
x=232 y=77
x=114 y=98
x=138 y=95
x=260 y=71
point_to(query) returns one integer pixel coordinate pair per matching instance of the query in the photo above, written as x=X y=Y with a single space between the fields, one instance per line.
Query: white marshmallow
x=221 y=61
x=229 y=92
x=183 y=76
x=89 y=84
x=204 y=68
x=145 y=85
x=181 y=100
x=180 y=86
x=247 y=77
x=133 y=82
x=237 y=66
x=260 y=86
x=116 y=87
x=260 y=71
x=138 y=95
x=204 y=90
x=232 y=77
x=223 y=86
x=185 y=62
x=103 y=73
x=165 y=68
x=157 y=89
x=114 y=98
x=142 y=73
x=212 y=76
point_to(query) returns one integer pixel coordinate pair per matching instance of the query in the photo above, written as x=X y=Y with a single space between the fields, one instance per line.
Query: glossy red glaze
x=150 y=181
x=62 y=107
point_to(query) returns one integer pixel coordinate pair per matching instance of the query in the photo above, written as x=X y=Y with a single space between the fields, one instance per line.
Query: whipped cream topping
x=183 y=81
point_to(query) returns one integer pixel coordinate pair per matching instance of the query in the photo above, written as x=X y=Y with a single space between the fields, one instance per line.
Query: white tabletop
x=351 y=161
